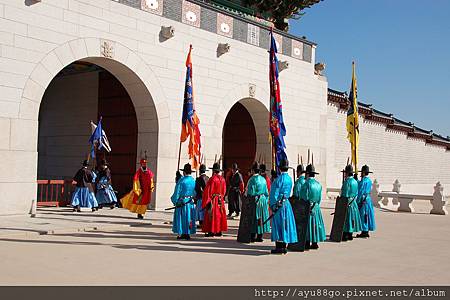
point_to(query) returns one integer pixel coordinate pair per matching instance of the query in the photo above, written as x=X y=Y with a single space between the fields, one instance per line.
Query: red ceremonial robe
x=268 y=182
x=216 y=219
x=141 y=195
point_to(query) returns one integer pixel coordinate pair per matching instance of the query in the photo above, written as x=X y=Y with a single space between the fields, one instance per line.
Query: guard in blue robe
x=311 y=191
x=299 y=182
x=257 y=191
x=283 y=223
x=365 y=203
x=200 y=184
x=105 y=193
x=83 y=195
x=350 y=190
x=183 y=200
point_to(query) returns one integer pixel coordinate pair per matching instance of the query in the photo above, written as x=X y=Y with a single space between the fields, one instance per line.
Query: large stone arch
x=128 y=67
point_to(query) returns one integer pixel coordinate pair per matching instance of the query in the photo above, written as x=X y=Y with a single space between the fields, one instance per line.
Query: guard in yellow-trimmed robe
x=140 y=197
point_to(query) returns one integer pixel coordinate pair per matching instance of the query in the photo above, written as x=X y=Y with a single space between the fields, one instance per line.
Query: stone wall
x=390 y=154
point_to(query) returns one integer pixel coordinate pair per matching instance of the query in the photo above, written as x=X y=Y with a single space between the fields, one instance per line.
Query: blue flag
x=96 y=138
x=276 y=122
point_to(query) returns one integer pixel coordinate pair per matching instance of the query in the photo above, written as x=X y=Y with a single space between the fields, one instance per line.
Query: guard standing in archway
x=140 y=197
x=105 y=193
x=235 y=191
x=84 y=192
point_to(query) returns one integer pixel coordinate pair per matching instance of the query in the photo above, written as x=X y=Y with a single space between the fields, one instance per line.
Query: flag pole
x=179 y=156
x=355 y=99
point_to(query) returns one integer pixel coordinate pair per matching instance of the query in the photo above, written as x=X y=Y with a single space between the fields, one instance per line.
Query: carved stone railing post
x=396 y=189
x=439 y=202
x=374 y=194
x=405 y=203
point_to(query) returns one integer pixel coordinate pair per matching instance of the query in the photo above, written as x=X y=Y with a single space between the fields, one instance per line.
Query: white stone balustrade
x=439 y=202
x=374 y=194
x=396 y=201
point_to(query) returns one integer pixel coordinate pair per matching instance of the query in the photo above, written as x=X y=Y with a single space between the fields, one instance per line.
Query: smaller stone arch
x=249 y=97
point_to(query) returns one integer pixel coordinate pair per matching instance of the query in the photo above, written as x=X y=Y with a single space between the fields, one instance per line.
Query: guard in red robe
x=213 y=203
x=140 y=197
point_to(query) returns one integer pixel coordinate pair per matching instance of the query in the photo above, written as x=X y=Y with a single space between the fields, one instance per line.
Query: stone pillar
x=374 y=194
x=438 y=201
x=396 y=189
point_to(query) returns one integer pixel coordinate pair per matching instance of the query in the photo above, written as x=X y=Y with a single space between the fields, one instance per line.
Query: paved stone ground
x=111 y=247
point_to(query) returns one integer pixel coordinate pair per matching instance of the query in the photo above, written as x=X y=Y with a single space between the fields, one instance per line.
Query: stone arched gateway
x=254 y=99
x=134 y=74
x=245 y=134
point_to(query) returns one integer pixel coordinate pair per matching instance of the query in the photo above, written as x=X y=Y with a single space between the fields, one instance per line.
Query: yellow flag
x=353 y=120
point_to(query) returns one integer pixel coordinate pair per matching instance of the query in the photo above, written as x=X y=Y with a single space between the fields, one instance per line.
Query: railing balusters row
x=396 y=201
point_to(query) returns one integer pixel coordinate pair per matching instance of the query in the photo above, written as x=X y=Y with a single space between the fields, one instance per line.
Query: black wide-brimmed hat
x=256 y=167
x=300 y=169
x=284 y=165
x=262 y=168
x=187 y=168
x=365 y=169
x=311 y=170
x=348 y=169
x=202 y=169
x=85 y=163
x=216 y=167
x=234 y=166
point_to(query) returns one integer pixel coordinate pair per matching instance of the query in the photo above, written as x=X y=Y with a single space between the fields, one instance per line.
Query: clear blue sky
x=402 y=52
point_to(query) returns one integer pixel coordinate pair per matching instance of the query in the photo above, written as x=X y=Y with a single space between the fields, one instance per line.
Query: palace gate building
x=64 y=63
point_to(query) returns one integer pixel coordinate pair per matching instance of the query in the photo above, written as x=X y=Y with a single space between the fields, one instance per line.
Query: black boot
x=209 y=234
x=307 y=245
x=314 y=246
x=363 y=234
x=278 y=249
x=350 y=236
x=259 y=238
x=283 y=247
x=187 y=237
x=252 y=238
x=139 y=216
x=345 y=236
x=218 y=234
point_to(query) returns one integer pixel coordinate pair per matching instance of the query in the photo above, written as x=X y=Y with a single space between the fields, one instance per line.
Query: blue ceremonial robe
x=312 y=191
x=365 y=204
x=257 y=187
x=283 y=222
x=105 y=192
x=184 y=216
x=298 y=186
x=83 y=195
x=353 y=220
